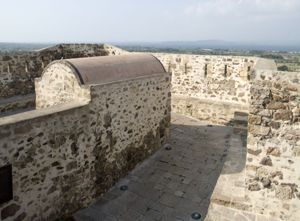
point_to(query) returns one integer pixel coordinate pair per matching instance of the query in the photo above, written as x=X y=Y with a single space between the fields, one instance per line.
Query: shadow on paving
x=171 y=184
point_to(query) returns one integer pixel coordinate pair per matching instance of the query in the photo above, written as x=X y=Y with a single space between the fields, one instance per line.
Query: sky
x=46 y=21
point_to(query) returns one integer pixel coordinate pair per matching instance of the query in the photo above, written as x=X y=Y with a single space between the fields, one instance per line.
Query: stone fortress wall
x=212 y=88
x=67 y=154
x=273 y=160
x=18 y=70
x=217 y=89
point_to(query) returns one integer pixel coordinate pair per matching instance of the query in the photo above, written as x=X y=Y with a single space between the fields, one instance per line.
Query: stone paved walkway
x=172 y=184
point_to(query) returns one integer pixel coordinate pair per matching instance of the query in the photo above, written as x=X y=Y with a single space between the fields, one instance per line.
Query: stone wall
x=225 y=113
x=19 y=69
x=217 y=82
x=65 y=156
x=17 y=103
x=273 y=159
x=58 y=85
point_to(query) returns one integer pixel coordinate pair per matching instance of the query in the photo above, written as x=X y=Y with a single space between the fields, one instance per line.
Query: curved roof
x=106 y=69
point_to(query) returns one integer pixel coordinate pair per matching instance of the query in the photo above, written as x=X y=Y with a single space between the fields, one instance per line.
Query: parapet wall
x=209 y=87
x=273 y=159
x=18 y=70
x=65 y=156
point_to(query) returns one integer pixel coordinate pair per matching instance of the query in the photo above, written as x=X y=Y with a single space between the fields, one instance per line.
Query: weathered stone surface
x=255 y=186
x=267 y=161
x=266 y=182
x=21 y=217
x=259 y=130
x=9 y=211
x=278 y=157
x=25 y=66
x=274 y=151
x=275 y=125
x=278 y=174
x=203 y=78
x=283 y=115
x=23 y=128
x=66 y=156
x=262 y=172
x=254 y=152
x=273 y=105
x=254 y=119
x=265 y=113
x=284 y=192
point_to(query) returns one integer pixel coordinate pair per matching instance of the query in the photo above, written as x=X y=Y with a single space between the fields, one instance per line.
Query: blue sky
x=264 y=21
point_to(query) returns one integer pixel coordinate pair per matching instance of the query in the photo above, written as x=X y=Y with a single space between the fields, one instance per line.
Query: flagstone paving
x=175 y=182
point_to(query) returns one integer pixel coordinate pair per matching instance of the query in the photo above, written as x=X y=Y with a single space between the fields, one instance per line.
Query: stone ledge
x=212 y=102
x=24 y=116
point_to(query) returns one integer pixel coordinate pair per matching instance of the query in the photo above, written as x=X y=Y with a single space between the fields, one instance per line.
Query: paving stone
x=169 y=200
x=169 y=185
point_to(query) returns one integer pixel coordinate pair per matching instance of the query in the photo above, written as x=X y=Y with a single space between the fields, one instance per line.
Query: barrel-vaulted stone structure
x=18 y=71
x=66 y=80
x=96 y=118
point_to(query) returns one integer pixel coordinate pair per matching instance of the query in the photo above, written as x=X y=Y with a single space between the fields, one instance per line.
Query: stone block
x=284 y=192
x=259 y=130
x=9 y=211
x=273 y=105
x=275 y=125
x=255 y=186
x=254 y=119
x=265 y=113
x=274 y=151
x=267 y=161
x=283 y=115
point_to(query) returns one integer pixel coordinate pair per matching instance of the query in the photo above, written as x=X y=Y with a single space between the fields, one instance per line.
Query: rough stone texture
x=274 y=133
x=214 y=112
x=57 y=86
x=268 y=185
x=219 y=82
x=18 y=70
x=65 y=156
x=16 y=103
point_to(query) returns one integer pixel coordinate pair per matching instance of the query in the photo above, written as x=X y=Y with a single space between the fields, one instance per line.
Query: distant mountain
x=179 y=45
x=22 y=46
x=213 y=44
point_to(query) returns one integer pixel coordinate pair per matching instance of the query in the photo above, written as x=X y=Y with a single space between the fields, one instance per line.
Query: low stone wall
x=273 y=159
x=18 y=70
x=65 y=156
x=220 y=78
x=222 y=82
x=207 y=110
x=11 y=105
